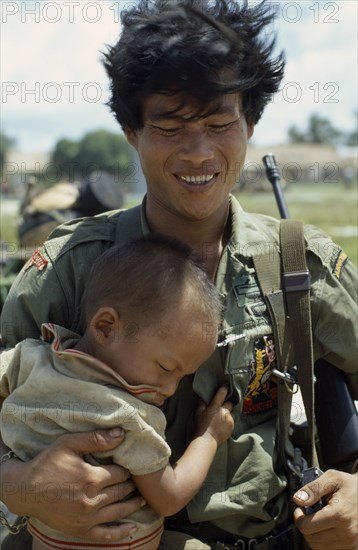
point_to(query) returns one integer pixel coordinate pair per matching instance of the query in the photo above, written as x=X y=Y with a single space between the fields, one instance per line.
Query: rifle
x=335 y=411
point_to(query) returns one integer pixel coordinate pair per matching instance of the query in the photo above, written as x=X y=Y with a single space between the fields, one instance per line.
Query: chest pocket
x=246 y=315
x=248 y=296
x=248 y=359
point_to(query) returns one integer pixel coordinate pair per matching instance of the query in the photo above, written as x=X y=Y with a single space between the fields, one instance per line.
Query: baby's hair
x=145 y=277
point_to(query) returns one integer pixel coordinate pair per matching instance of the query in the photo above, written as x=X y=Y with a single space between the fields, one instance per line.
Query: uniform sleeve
x=50 y=286
x=35 y=297
x=334 y=304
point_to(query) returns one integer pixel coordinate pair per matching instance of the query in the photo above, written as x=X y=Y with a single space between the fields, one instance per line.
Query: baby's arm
x=168 y=490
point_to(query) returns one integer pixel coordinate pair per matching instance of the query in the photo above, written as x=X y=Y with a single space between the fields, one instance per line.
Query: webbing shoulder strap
x=285 y=284
x=268 y=272
x=296 y=286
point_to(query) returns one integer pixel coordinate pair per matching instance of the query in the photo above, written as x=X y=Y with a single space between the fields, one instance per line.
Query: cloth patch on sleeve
x=340 y=262
x=38 y=260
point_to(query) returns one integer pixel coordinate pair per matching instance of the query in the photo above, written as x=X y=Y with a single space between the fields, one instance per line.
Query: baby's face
x=161 y=355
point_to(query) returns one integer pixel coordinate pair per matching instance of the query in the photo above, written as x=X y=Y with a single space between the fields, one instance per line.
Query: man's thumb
x=309 y=494
x=302 y=497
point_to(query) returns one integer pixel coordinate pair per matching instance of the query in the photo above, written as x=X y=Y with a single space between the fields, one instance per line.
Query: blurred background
x=63 y=155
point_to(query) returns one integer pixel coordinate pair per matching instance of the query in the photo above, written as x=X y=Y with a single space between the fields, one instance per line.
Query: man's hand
x=70 y=495
x=335 y=527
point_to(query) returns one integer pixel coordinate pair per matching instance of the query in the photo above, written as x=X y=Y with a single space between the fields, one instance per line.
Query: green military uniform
x=245 y=491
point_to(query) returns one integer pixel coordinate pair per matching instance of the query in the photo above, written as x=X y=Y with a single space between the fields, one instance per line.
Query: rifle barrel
x=273 y=175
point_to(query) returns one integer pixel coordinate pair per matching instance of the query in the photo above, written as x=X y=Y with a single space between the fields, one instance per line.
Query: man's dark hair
x=145 y=277
x=202 y=48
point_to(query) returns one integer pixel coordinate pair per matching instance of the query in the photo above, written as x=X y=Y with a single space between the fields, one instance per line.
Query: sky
x=53 y=85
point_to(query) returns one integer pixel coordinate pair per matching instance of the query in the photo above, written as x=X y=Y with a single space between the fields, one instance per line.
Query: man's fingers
x=90 y=442
x=116 y=493
x=113 y=474
x=112 y=533
x=114 y=513
x=311 y=523
x=108 y=527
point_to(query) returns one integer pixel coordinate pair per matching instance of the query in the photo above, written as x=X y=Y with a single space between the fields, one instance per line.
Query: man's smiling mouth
x=197 y=180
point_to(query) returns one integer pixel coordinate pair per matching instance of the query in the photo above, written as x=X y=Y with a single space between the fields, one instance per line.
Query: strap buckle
x=294 y=281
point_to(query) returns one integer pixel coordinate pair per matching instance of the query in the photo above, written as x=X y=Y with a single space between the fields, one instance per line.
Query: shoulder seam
x=57 y=246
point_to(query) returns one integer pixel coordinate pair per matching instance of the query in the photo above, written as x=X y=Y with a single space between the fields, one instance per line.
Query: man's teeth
x=197 y=180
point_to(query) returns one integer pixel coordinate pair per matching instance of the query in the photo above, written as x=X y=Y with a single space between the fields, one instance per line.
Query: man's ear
x=105 y=326
x=250 y=129
x=132 y=137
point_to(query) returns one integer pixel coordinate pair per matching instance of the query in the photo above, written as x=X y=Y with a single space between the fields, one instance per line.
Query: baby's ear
x=104 y=325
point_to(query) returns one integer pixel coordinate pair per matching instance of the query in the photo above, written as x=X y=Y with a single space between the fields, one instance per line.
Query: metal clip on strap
x=294 y=281
x=290 y=376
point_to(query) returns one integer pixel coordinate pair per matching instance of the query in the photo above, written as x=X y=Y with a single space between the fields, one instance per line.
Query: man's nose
x=197 y=147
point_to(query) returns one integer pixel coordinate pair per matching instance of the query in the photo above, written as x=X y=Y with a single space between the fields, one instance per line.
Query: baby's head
x=151 y=312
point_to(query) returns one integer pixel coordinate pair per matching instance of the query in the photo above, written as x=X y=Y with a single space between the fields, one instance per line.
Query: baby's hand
x=216 y=418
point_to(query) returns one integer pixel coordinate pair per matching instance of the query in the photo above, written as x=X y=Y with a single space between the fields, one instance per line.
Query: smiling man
x=191 y=162
x=189 y=81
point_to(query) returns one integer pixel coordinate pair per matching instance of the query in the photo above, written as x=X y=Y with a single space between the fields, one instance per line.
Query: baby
x=151 y=317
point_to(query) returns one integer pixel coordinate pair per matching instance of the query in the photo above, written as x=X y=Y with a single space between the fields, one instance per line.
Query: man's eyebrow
x=165 y=115
x=174 y=115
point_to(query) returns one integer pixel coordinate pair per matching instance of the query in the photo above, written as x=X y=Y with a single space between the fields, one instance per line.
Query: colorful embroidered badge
x=261 y=392
x=38 y=260
x=339 y=264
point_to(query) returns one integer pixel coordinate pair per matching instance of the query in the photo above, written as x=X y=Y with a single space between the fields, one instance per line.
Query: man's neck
x=207 y=237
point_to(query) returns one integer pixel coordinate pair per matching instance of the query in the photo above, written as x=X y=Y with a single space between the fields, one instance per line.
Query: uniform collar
x=252 y=234
x=132 y=224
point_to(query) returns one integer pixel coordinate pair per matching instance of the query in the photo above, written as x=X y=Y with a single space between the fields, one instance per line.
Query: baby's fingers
x=219 y=398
